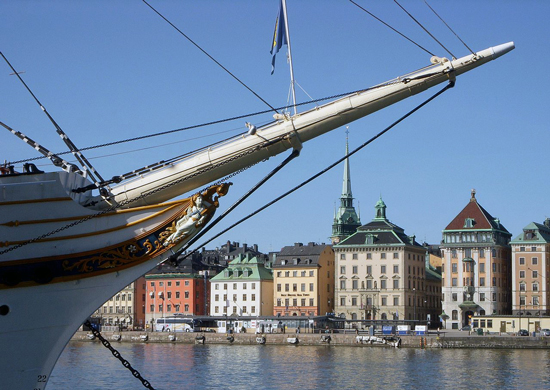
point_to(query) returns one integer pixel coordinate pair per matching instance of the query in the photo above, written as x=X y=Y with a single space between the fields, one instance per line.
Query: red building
x=174 y=293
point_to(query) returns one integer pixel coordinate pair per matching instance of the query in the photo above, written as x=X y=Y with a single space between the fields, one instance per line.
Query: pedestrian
x=437 y=332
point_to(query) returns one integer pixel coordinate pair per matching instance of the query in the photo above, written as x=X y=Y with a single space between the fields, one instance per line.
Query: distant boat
x=50 y=284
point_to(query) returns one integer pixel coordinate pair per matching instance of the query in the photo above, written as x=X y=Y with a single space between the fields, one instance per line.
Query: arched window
x=384 y=316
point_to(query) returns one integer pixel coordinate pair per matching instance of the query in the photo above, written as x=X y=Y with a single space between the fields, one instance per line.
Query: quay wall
x=349 y=339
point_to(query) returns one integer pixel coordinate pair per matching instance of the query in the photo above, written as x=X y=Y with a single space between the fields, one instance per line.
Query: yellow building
x=303 y=277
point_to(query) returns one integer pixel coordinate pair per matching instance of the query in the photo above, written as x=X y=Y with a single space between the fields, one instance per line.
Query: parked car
x=466 y=328
x=545 y=332
x=523 y=332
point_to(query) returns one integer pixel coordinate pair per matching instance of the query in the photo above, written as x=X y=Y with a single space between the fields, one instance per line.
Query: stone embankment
x=337 y=339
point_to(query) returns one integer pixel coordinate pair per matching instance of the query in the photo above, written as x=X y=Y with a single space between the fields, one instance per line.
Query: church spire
x=346 y=220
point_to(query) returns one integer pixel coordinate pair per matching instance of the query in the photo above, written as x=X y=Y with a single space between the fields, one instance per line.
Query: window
x=177 y=307
x=186 y=294
x=279 y=274
x=482 y=297
x=354 y=301
x=535 y=301
x=522 y=261
x=244 y=297
x=382 y=255
x=455 y=297
x=355 y=284
x=482 y=282
x=535 y=287
x=535 y=274
x=383 y=269
x=168 y=308
x=395 y=269
x=343 y=301
x=343 y=269
x=454 y=315
x=294 y=274
x=311 y=273
x=342 y=284
x=244 y=286
x=303 y=287
x=395 y=255
x=533 y=249
x=396 y=284
x=522 y=301
x=303 y=273
x=481 y=253
x=278 y=287
x=355 y=256
x=303 y=302
x=186 y=283
x=369 y=269
x=369 y=284
x=295 y=287
x=383 y=283
x=369 y=256
x=453 y=253
x=342 y=256
x=216 y=297
x=384 y=301
x=494 y=267
x=287 y=274
x=161 y=283
x=253 y=309
x=253 y=286
x=169 y=294
x=455 y=282
x=522 y=274
x=310 y=301
x=522 y=287
x=177 y=294
x=494 y=282
x=225 y=286
x=454 y=267
x=287 y=287
x=482 y=268
x=253 y=298
x=396 y=301
x=534 y=260
x=311 y=287
x=160 y=308
x=354 y=269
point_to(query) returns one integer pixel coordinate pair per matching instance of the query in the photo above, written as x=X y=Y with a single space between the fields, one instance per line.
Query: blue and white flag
x=279 y=36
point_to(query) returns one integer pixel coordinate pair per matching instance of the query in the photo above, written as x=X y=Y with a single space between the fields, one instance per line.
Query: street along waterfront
x=89 y=366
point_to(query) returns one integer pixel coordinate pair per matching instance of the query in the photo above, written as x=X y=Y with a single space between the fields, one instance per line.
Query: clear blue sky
x=110 y=70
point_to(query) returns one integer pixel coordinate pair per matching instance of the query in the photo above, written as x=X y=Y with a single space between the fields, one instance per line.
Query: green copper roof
x=244 y=268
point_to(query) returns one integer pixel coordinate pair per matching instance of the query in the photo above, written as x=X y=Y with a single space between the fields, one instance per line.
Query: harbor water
x=90 y=366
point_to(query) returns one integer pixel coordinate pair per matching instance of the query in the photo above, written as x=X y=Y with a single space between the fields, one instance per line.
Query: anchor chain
x=117 y=354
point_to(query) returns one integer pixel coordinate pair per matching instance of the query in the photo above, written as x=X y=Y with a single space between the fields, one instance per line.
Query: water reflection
x=172 y=366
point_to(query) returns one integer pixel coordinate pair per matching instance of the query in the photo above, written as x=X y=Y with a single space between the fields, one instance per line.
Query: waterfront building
x=176 y=290
x=346 y=220
x=244 y=288
x=530 y=270
x=120 y=310
x=383 y=274
x=476 y=266
x=304 y=280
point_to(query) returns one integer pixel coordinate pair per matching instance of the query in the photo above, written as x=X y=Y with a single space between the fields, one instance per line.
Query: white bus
x=175 y=324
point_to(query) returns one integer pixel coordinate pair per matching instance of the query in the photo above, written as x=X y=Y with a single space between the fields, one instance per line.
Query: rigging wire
x=393 y=29
x=334 y=164
x=423 y=28
x=209 y=56
x=449 y=27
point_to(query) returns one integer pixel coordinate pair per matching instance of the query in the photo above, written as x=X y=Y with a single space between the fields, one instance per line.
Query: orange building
x=174 y=293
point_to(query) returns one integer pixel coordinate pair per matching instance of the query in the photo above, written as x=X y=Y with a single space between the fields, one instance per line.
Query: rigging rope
x=209 y=56
x=447 y=87
x=420 y=24
x=393 y=29
x=449 y=27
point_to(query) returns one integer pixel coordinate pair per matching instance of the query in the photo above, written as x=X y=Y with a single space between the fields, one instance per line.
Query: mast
x=283 y=3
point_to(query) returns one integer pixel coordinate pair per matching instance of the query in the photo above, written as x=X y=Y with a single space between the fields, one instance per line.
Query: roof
x=300 y=255
x=474 y=217
x=534 y=233
x=244 y=268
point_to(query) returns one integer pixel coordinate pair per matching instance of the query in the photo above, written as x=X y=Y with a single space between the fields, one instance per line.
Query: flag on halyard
x=279 y=36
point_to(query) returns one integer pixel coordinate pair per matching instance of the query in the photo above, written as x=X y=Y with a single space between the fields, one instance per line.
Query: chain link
x=117 y=354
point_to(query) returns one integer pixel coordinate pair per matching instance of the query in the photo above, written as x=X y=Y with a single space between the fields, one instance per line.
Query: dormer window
x=469 y=222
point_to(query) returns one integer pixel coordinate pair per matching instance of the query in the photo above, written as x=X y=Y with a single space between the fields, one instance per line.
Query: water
x=90 y=366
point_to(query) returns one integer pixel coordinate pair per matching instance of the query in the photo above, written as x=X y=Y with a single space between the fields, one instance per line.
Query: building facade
x=244 y=288
x=303 y=276
x=120 y=310
x=383 y=274
x=530 y=268
x=172 y=293
x=476 y=266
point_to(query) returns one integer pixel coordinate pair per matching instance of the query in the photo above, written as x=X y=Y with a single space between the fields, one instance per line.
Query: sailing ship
x=74 y=240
